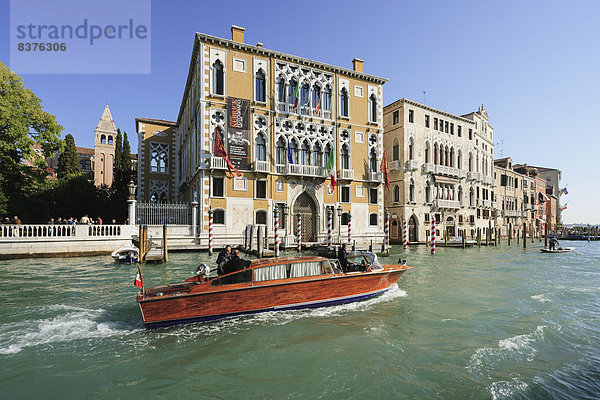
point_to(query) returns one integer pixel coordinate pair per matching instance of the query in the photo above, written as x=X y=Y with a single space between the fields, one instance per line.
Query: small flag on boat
x=138 y=279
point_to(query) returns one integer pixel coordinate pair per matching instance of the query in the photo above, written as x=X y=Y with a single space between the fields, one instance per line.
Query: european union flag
x=290 y=160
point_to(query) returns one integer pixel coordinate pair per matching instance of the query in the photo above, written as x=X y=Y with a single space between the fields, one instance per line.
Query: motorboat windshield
x=364 y=258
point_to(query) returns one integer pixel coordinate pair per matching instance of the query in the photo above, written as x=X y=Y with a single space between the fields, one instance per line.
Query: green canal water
x=487 y=323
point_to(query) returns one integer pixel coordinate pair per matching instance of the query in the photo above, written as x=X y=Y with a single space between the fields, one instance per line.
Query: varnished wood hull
x=210 y=303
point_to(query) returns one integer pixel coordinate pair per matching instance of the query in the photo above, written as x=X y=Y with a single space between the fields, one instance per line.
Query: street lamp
x=131 y=187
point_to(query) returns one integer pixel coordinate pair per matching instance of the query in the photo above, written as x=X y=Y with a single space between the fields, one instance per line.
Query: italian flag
x=330 y=169
x=297 y=95
x=138 y=279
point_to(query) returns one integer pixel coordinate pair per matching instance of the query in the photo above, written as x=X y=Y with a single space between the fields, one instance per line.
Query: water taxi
x=559 y=250
x=274 y=284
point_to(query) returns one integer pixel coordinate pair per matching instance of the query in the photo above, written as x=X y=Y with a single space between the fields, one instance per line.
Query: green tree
x=22 y=123
x=127 y=163
x=68 y=162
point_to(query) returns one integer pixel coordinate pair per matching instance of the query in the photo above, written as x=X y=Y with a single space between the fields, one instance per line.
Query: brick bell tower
x=105 y=135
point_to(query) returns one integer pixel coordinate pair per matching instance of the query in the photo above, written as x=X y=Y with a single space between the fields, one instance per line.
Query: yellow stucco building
x=279 y=118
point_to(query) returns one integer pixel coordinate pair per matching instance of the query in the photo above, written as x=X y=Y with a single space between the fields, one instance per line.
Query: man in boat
x=236 y=264
x=343 y=258
x=222 y=258
x=554 y=245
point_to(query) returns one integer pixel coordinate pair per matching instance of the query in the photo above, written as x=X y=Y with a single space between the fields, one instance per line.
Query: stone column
x=131 y=210
x=194 y=217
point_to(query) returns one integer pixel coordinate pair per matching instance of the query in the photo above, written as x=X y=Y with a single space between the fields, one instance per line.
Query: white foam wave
x=519 y=347
x=540 y=297
x=506 y=389
x=73 y=324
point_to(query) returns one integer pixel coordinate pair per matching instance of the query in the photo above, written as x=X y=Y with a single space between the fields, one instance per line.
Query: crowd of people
x=85 y=220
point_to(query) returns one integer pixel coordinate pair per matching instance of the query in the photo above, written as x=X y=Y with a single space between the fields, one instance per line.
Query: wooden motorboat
x=559 y=250
x=274 y=284
x=126 y=254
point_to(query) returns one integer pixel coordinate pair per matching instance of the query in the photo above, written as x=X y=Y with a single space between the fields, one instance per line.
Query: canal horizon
x=491 y=322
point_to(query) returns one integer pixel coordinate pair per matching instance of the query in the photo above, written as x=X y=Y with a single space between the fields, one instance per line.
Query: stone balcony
x=395 y=165
x=375 y=177
x=449 y=204
x=261 y=166
x=429 y=168
x=345 y=174
x=218 y=163
x=411 y=165
x=474 y=176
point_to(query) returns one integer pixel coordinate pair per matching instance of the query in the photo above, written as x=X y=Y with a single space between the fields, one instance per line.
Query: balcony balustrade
x=217 y=163
x=375 y=176
x=262 y=166
x=294 y=169
x=429 y=168
x=346 y=174
x=394 y=165
x=474 y=176
x=412 y=165
x=450 y=204
x=462 y=173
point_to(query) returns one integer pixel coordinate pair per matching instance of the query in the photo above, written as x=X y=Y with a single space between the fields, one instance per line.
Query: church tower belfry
x=105 y=135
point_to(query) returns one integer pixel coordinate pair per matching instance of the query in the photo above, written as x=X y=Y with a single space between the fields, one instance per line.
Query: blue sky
x=534 y=65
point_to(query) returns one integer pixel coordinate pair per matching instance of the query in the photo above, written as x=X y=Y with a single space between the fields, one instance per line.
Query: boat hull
x=244 y=299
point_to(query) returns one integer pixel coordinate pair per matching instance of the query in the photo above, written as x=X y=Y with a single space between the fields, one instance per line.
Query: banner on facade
x=238 y=135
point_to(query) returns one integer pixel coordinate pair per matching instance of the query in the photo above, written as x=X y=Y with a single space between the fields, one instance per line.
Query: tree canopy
x=68 y=162
x=22 y=123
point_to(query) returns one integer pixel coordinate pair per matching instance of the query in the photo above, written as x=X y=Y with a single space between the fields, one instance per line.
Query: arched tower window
x=103 y=139
x=281 y=151
x=396 y=193
x=317 y=155
x=305 y=153
x=373 y=108
x=395 y=150
x=327 y=98
x=373 y=160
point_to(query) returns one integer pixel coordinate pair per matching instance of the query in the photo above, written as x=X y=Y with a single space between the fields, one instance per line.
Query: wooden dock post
x=463 y=239
x=165 y=253
x=509 y=234
x=478 y=237
x=446 y=237
x=259 y=241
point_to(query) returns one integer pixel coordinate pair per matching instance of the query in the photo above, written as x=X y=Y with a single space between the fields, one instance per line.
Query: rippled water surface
x=467 y=324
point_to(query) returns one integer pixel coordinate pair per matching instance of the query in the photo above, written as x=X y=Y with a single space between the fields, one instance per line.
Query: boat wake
x=243 y=323
x=507 y=389
x=67 y=324
x=540 y=298
x=516 y=348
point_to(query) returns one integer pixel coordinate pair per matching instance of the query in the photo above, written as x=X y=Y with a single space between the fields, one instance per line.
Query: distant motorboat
x=126 y=254
x=559 y=250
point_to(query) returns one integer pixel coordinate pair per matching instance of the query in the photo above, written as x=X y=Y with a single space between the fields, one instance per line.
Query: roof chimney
x=237 y=33
x=259 y=44
x=357 y=65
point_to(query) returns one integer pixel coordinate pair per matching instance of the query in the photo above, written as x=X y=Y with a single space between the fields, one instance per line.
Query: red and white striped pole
x=210 y=231
x=386 y=239
x=329 y=227
x=404 y=235
x=349 y=228
x=299 y=232
x=276 y=249
x=433 y=235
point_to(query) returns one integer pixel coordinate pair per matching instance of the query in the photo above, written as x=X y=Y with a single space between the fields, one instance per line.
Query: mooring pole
x=276 y=244
x=210 y=231
x=164 y=244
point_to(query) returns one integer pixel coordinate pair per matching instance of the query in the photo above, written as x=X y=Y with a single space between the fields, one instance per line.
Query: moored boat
x=126 y=254
x=274 y=284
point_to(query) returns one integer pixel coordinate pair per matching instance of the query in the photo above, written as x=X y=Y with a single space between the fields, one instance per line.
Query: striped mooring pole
x=329 y=227
x=276 y=249
x=210 y=231
x=404 y=234
x=386 y=239
x=299 y=232
x=433 y=235
x=349 y=228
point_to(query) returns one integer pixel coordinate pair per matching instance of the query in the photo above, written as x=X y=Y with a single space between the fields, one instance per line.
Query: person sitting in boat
x=222 y=258
x=236 y=264
x=553 y=244
x=343 y=259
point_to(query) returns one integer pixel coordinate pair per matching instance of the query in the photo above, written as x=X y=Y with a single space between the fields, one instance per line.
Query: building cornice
x=161 y=122
x=261 y=51
x=423 y=106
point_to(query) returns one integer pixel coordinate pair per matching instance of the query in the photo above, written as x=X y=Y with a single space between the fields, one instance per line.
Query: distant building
x=441 y=166
x=552 y=177
x=156 y=169
x=98 y=162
